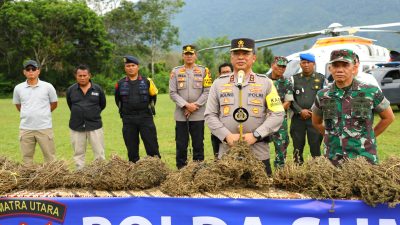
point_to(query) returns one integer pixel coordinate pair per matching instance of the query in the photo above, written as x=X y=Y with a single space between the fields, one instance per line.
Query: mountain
x=265 y=18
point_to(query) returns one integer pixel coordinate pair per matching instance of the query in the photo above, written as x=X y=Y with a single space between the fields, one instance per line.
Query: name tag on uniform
x=95 y=93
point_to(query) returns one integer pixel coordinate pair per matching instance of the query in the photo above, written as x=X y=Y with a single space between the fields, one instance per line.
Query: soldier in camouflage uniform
x=285 y=91
x=259 y=98
x=189 y=85
x=344 y=112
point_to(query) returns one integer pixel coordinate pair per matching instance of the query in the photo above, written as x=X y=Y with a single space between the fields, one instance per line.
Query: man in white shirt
x=35 y=100
x=365 y=78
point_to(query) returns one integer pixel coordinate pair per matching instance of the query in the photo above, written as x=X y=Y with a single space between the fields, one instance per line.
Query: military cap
x=131 y=59
x=31 y=63
x=343 y=55
x=280 y=60
x=307 y=56
x=245 y=44
x=189 y=48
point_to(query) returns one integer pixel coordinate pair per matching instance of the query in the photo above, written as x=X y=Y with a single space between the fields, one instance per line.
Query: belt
x=136 y=112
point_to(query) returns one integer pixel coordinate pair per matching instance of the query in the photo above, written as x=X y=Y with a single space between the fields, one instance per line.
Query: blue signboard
x=191 y=211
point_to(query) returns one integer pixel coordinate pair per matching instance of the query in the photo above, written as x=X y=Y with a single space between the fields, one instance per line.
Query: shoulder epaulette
x=261 y=75
x=177 y=67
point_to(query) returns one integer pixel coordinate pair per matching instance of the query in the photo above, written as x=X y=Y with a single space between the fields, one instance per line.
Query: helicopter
x=340 y=37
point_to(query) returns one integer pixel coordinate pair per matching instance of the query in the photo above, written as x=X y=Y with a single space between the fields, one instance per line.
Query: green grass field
x=389 y=142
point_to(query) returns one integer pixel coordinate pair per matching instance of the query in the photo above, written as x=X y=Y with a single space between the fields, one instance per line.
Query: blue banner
x=191 y=211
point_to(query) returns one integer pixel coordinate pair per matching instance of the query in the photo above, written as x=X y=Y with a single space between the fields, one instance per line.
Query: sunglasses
x=30 y=69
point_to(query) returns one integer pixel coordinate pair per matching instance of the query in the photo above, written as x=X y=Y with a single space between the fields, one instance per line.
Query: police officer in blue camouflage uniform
x=305 y=87
x=285 y=91
x=135 y=97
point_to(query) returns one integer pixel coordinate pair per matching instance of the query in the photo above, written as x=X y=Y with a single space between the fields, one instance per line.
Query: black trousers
x=215 y=145
x=299 y=128
x=143 y=125
x=182 y=131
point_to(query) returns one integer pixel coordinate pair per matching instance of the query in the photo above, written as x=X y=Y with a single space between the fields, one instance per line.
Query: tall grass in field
x=388 y=142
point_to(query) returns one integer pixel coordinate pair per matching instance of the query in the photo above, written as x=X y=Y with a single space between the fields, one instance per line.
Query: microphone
x=240 y=78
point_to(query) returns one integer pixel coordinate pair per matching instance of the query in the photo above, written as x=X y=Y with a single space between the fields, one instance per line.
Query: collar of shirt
x=36 y=85
x=91 y=86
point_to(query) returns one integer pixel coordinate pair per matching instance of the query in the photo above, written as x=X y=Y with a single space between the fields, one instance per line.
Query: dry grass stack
x=111 y=175
x=44 y=176
x=180 y=182
x=317 y=178
x=237 y=168
x=375 y=184
x=9 y=177
x=148 y=172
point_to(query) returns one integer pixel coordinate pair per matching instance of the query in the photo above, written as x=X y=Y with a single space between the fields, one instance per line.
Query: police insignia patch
x=226 y=110
x=256 y=101
x=240 y=44
x=226 y=90
x=240 y=115
x=207 y=82
x=255 y=110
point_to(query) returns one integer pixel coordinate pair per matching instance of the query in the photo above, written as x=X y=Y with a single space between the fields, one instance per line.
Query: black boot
x=268 y=169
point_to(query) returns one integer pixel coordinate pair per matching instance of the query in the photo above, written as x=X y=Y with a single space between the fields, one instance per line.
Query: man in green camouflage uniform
x=285 y=91
x=344 y=112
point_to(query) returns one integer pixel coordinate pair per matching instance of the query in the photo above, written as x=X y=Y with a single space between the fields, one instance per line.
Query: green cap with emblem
x=280 y=61
x=342 y=55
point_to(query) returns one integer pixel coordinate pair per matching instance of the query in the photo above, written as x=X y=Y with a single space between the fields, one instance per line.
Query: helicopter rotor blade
x=288 y=40
x=384 y=31
x=380 y=25
x=214 y=47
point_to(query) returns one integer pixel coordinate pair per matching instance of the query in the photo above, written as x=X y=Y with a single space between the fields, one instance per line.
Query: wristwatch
x=257 y=135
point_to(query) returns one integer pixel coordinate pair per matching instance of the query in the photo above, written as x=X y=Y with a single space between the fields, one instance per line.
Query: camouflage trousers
x=281 y=142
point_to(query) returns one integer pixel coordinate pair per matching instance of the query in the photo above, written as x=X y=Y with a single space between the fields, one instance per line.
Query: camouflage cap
x=189 y=48
x=280 y=60
x=245 y=44
x=342 y=55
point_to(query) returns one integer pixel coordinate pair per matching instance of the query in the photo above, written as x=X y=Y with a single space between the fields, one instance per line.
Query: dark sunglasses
x=30 y=69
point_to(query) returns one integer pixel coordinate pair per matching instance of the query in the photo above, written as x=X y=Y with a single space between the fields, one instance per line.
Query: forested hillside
x=263 y=18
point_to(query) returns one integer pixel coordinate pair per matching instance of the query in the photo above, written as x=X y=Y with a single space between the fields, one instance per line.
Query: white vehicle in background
x=369 y=53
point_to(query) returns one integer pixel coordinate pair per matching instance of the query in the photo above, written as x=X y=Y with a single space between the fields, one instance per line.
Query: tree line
x=61 y=34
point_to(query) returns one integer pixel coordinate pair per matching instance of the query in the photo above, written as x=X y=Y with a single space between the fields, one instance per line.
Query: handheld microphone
x=240 y=78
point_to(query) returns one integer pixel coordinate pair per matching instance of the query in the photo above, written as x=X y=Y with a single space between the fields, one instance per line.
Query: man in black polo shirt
x=86 y=100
